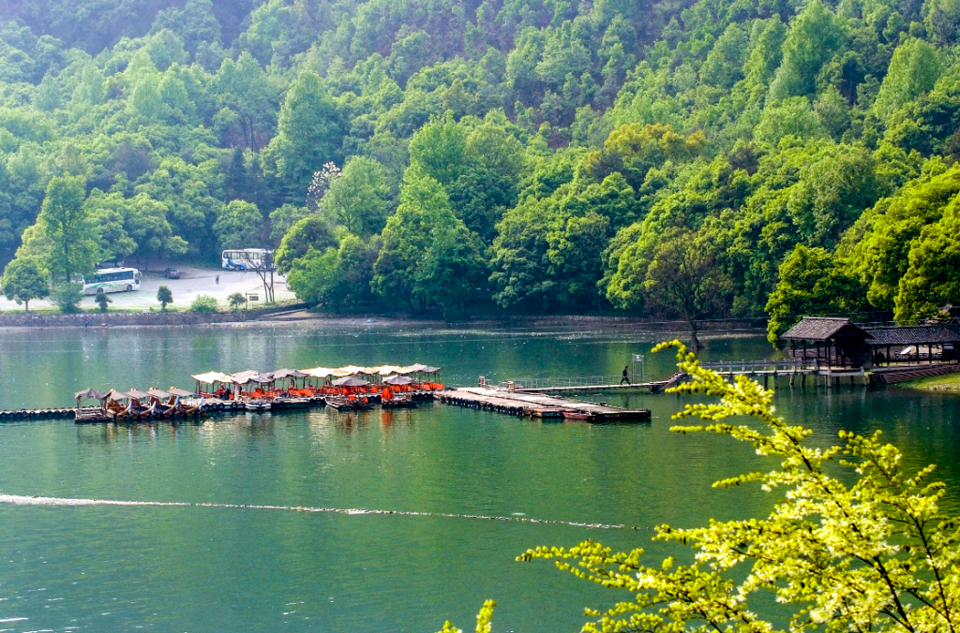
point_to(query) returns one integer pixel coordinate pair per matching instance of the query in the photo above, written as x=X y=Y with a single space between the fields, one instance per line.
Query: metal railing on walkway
x=748 y=366
x=555 y=383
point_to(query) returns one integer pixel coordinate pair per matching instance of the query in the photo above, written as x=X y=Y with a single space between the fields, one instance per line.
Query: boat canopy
x=349 y=370
x=386 y=370
x=211 y=377
x=243 y=377
x=183 y=393
x=319 y=372
x=91 y=393
x=139 y=395
x=158 y=393
x=117 y=395
x=350 y=381
x=288 y=373
x=399 y=380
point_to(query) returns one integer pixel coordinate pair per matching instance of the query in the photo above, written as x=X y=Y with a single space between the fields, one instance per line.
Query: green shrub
x=67 y=297
x=165 y=296
x=237 y=301
x=204 y=304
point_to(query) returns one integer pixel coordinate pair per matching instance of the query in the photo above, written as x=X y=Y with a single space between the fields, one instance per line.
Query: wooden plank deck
x=653 y=387
x=539 y=405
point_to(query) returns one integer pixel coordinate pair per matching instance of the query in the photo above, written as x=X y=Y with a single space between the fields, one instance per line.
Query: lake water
x=205 y=560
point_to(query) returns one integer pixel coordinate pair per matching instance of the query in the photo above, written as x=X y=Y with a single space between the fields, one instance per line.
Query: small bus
x=112 y=280
x=247 y=259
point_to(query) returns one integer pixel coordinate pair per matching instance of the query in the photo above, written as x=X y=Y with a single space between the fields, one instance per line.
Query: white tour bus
x=112 y=280
x=247 y=259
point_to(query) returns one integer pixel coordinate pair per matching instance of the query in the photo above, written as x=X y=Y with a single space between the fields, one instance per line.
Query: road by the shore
x=193 y=281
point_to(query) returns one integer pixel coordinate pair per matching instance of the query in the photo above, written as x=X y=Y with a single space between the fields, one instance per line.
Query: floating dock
x=37 y=414
x=210 y=406
x=536 y=405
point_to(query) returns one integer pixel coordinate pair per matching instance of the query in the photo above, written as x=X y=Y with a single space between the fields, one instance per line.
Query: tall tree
x=426 y=249
x=811 y=283
x=933 y=278
x=680 y=279
x=66 y=224
x=310 y=134
x=239 y=225
x=359 y=198
x=24 y=280
x=815 y=34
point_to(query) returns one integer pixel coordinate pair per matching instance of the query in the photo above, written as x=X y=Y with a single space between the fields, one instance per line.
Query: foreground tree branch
x=875 y=555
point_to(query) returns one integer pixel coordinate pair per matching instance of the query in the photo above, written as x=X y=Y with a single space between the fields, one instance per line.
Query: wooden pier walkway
x=538 y=405
x=791 y=369
x=655 y=386
x=587 y=384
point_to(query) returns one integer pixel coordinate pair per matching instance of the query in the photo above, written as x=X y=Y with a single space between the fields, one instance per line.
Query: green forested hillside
x=708 y=159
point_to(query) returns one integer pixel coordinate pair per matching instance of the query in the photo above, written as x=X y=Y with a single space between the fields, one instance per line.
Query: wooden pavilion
x=830 y=341
x=931 y=343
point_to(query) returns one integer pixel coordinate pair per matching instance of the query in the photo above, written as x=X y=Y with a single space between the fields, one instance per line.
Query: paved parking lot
x=193 y=281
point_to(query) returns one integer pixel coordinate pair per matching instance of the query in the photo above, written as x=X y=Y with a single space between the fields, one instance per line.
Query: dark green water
x=217 y=569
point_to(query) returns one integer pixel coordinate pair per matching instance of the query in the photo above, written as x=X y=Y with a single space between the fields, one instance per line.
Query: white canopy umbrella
x=319 y=372
x=349 y=370
x=91 y=393
x=139 y=395
x=350 y=381
x=211 y=377
x=117 y=395
x=243 y=377
x=288 y=373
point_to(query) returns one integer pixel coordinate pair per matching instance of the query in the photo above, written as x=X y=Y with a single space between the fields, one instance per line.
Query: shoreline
x=294 y=314
x=948 y=383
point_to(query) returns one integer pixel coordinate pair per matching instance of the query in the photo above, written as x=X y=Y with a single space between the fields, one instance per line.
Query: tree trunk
x=695 y=344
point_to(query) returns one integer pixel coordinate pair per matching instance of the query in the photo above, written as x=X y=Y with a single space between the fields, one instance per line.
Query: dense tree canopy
x=558 y=150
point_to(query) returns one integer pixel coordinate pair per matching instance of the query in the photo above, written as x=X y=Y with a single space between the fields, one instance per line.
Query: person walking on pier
x=626 y=375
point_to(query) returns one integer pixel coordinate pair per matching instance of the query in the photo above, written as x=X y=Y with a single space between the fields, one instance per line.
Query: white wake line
x=22 y=500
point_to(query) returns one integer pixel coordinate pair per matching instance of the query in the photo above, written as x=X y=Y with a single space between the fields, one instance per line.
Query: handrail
x=745 y=365
x=552 y=383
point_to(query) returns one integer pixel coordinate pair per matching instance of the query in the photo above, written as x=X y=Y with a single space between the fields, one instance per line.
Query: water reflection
x=237 y=568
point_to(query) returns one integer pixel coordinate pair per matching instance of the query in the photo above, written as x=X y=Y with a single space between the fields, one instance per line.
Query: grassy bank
x=950 y=382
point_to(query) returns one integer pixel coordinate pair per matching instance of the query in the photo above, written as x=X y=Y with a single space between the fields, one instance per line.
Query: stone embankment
x=107 y=319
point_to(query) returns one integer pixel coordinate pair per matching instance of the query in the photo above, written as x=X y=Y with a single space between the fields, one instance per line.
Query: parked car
x=171 y=273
